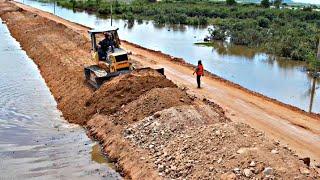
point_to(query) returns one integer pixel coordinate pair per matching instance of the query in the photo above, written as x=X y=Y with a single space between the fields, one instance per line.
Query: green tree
x=265 y=3
x=277 y=3
x=313 y=62
x=231 y=2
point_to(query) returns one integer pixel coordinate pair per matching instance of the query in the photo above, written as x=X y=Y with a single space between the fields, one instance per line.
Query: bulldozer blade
x=96 y=76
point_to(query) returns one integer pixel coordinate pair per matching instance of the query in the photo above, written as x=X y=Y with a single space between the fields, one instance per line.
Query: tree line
x=283 y=32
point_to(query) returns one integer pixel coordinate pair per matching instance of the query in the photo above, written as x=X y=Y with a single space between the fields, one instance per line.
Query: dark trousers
x=198 y=80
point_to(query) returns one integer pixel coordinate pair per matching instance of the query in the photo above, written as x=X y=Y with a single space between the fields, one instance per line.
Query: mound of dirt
x=124 y=89
x=155 y=131
x=152 y=101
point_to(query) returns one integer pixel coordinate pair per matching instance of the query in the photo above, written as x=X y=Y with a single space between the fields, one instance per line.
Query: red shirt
x=199 y=70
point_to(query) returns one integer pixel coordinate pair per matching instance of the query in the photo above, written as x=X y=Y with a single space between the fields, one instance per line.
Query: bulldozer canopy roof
x=98 y=31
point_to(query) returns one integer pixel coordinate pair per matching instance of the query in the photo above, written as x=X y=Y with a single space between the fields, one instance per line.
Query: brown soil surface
x=109 y=98
x=149 y=103
x=152 y=128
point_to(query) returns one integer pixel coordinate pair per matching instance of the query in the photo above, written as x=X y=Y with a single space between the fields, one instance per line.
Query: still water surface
x=277 y=78
x=35 y=141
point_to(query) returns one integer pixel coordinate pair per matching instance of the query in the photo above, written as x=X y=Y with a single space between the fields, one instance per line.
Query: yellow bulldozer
x=111 y=60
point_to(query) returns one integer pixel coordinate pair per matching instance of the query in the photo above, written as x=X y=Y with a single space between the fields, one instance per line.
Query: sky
x=308 y=1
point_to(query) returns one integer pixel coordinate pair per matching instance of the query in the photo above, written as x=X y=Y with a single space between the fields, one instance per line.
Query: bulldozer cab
x=113 y=58
x=98 y=35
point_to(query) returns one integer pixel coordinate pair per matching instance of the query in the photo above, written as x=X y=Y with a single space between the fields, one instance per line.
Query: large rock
x=247 y=172
x=304 y=171
x=268 y=171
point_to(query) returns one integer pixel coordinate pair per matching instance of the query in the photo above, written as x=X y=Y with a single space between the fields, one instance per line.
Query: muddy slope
x=152 y=128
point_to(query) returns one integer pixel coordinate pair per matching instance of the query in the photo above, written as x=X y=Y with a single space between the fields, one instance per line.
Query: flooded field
x=36 y=142
x=277 y=78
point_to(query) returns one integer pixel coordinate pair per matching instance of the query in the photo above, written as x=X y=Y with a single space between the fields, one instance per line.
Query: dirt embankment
x=152 y=128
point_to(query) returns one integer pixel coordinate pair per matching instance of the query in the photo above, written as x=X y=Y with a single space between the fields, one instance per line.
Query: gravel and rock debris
x=223 y=150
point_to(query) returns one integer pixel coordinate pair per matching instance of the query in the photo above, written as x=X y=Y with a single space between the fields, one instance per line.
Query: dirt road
x=288 y=125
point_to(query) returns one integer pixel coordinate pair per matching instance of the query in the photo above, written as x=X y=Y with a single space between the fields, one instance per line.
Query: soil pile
x=147 y=104
x=156 y=131
x=109 y=98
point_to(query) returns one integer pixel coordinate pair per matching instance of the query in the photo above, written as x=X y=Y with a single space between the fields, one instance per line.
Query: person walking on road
x=199 y=71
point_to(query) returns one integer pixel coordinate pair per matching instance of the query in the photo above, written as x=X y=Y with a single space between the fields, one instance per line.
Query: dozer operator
x=106 y=45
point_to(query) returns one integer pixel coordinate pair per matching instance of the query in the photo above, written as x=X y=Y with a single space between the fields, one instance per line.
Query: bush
x=263 y=22
x=218 y=33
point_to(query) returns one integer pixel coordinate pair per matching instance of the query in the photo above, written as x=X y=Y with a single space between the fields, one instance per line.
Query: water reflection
x=157 y=26
x=96 y=155
x=223 y=48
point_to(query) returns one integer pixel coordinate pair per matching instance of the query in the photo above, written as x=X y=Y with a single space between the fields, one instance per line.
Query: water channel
x=35 y=141
x=278 y=78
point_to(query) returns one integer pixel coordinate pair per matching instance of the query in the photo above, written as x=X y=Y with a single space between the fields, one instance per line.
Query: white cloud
x=308 y=1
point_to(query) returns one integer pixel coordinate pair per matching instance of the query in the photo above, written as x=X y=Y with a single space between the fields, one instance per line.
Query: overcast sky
x=308 y=1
